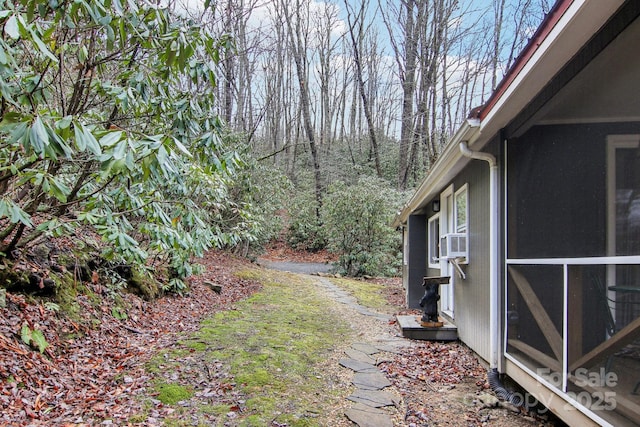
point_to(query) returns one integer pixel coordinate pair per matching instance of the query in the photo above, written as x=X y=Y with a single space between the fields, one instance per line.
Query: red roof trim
x=549 y=23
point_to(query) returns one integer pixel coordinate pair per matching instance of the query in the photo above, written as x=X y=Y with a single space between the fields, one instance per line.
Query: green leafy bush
x=356 y=222
x=100 y=127
x=304 y=230
x=257 y=196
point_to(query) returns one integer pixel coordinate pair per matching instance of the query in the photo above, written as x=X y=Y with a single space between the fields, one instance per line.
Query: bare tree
x=406 y=62
x=298 y=90
x=353 y=22
x=295 y=22
x=421 y=59
x=324 y=20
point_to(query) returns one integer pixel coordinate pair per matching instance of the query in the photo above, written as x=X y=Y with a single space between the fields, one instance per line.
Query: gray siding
x=472 y=294
x=417 y=258
x=471 y=297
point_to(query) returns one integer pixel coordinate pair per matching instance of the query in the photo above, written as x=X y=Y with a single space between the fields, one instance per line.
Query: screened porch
x=572 y=297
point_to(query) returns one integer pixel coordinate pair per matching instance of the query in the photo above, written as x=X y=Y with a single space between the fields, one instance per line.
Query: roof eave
x=561 y=36
x=449 y=162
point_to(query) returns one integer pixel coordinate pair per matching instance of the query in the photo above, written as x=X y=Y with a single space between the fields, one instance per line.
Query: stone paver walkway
x=372 y=399
x=370 y=395
x=344 y=297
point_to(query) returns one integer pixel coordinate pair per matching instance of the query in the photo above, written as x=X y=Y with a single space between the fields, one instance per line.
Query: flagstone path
x=374 y=403
x=369 y=396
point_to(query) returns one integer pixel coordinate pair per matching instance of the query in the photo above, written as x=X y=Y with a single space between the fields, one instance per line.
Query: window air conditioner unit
x=453 y=245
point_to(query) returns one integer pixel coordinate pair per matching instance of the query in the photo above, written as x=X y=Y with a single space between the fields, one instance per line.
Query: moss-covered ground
x=366 y=293
x=272 y=347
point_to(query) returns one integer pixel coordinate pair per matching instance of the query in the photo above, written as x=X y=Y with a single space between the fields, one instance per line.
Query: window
x=623 y=238
x=461 y=210
x=434 y=241
x=624 y=195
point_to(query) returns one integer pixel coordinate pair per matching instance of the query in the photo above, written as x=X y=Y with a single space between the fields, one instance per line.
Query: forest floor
x=263 y=351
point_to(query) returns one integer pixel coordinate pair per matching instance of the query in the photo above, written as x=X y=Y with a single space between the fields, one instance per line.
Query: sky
x=469 y=14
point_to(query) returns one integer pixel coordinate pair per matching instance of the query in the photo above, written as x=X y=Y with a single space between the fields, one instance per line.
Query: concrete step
x=411 y=328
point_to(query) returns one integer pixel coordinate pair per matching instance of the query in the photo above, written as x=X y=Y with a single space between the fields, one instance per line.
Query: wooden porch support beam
x=536 y=355
x=623 y=337
x=539 y=313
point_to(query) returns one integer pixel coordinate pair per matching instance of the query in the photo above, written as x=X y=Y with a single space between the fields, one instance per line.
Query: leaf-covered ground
x=94 y=366
x=278 y=250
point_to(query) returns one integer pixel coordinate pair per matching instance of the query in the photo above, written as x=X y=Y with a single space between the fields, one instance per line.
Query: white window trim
x=405 y=246
x=613 y=143
x=463 y=189
x=430 y=261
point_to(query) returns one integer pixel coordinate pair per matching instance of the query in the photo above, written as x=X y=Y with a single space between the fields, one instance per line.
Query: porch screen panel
x=556 y=194
x=572 y=271
x=535 y=298
x=603 y=342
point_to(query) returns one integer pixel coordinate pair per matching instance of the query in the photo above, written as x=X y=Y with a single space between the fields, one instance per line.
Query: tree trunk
x=299 y=56
x=361 y=86
x=407 y=77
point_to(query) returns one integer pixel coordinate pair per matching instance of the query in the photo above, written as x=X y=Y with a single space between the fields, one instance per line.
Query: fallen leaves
x=92 y=369
x=435 y=363
x=279 y=250
x=434 y=378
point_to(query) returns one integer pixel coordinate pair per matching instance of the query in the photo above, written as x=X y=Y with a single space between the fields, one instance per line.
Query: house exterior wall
x=471 y=295
x=559 y=267
x=415 y=255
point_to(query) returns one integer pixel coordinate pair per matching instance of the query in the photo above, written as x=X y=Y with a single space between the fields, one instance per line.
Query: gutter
x=494 y=301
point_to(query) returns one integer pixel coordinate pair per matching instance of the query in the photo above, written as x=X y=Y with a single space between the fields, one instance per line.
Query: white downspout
x=494 y=338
